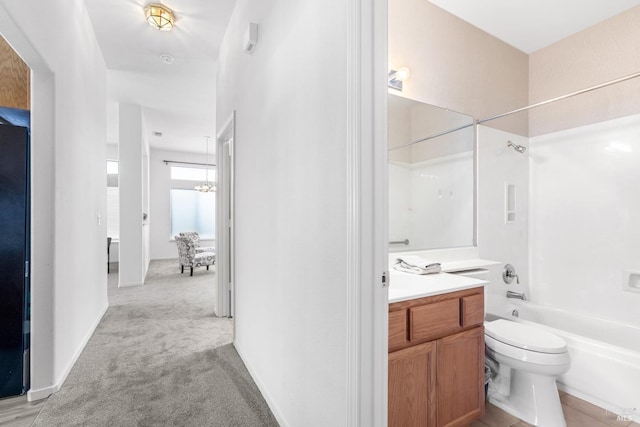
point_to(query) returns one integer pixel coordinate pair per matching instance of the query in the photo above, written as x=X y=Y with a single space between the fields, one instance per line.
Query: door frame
x=367 y=226
x=225 y=248
x=43 y=380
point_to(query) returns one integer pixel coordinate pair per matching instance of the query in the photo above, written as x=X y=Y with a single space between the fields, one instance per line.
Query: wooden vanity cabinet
x=436 y=360
x=412 y=375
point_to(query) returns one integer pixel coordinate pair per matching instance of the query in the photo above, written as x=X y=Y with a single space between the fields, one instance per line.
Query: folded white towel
x=416 y=265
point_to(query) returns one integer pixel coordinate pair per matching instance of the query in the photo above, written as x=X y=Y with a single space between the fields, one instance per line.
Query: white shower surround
x=584 y=209
x=583 y=206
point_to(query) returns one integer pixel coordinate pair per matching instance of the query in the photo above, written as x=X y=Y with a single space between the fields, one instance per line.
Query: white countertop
x=406 y=286
x=466 y=264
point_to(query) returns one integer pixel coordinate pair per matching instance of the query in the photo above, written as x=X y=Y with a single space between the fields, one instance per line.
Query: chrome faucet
x=516 y=295
x=509 y=273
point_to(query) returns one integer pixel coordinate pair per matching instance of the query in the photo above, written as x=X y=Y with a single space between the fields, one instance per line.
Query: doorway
x=14 y=276
x=224 y=219
x=15 y=300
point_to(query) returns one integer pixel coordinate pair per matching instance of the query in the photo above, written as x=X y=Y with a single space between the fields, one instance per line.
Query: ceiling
x=532 y=25
x=178 y=99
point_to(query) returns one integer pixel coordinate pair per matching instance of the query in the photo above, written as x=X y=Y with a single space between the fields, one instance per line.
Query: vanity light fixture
x=396 y=77
x=159 y=16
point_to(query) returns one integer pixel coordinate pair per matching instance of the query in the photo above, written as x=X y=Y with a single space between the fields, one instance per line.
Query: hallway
x=159 y=357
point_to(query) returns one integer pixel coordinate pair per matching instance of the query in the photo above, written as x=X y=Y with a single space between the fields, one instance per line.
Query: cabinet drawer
x=434 y=320
x=472 y=308
x=397 y=329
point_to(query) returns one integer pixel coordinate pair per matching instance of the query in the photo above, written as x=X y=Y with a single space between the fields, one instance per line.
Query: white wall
x=291 y=220
x=132 y=175
x=112 y=154
x=498 y=240
x=162 y=245
x=584 y=218
x=146 y=212
x=69 y=289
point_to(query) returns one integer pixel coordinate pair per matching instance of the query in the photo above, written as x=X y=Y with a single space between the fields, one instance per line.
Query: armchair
x=194 y=235
x=188 y=256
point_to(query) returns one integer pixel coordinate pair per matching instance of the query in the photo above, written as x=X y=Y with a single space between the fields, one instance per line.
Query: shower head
x=518 y=148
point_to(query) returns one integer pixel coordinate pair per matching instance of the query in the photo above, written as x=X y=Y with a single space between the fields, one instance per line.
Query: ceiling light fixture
x=159 y=16
x=207 y=186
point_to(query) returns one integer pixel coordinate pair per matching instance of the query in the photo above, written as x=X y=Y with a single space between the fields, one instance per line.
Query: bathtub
x=605 y=355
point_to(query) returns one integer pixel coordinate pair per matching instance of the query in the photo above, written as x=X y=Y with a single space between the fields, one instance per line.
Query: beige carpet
x=160 y=357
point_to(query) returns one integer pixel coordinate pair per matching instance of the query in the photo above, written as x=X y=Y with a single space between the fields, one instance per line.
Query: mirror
x=431 y=177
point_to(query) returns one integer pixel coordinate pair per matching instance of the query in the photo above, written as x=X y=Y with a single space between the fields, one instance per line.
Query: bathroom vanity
x=436 y=350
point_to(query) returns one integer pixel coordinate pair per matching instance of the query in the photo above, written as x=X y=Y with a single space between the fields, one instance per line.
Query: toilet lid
x=525 y=336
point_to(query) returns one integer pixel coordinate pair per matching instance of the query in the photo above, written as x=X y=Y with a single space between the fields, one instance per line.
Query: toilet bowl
x=529 y=359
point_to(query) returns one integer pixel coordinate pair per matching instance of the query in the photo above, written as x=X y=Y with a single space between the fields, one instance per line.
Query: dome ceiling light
x=160 y=17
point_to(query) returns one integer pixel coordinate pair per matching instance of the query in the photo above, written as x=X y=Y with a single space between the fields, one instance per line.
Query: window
x=189 y=174
x=112 y=167
x=113 y=200
x=191 y=210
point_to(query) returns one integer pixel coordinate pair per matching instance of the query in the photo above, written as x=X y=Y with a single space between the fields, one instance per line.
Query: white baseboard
x=129 y=285
x=267 y=397
x=43 y=393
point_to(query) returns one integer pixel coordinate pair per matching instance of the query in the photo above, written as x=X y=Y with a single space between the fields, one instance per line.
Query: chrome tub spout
x=516 y=295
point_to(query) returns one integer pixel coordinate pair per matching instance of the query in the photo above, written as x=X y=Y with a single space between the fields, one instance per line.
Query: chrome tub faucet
x=516 y=295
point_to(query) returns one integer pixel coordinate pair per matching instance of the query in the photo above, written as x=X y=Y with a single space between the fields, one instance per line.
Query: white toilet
x=529 y=359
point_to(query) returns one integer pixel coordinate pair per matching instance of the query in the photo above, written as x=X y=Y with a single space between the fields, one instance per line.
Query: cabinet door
x=460 y=385
x=412 y=386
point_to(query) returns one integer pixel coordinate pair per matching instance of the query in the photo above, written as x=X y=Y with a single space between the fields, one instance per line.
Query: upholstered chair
x=196 y=237
x=188 y=256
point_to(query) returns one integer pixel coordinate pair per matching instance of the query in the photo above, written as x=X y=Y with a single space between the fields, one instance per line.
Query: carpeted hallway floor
x=160 y=357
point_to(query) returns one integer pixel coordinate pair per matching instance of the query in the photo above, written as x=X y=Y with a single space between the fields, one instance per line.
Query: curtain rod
x=437 y=135
x=166 y=162
x=560 y=98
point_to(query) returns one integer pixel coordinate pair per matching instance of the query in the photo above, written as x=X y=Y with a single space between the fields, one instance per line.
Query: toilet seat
x=525 y=337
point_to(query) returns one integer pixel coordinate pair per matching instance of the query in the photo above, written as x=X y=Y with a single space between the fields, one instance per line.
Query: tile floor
x=577 y=412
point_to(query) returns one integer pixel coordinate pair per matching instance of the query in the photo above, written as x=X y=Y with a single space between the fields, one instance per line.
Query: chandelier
x=206 y=186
